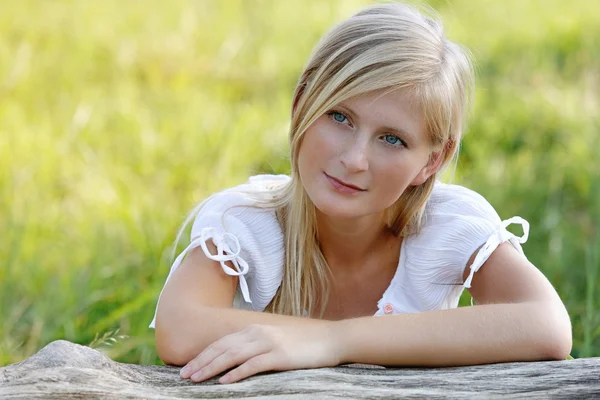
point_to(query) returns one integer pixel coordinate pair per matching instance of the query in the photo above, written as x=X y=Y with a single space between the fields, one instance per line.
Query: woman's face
x=360 y=156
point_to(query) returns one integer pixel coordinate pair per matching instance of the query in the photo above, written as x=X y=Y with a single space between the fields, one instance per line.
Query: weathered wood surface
x=65 y=370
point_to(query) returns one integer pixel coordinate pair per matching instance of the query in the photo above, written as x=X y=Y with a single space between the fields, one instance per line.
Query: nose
x=354 y=155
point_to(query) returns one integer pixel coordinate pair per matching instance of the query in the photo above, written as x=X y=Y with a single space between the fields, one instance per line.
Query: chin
x=337 y=209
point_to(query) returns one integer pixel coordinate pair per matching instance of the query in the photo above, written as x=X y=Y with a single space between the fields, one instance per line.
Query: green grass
x=117 y=117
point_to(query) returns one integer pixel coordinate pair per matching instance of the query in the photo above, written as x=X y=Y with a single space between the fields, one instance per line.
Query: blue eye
x=338 y=117
x=392 y=139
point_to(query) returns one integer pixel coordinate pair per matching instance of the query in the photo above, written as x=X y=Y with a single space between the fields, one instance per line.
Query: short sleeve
x=457 y=222
x=247 y=236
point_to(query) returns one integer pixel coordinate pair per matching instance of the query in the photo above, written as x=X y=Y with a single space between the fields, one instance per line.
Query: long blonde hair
x=386 y=46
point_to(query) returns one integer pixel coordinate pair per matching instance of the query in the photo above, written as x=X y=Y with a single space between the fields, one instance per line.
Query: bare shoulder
x=509 y=277
x=201 y=281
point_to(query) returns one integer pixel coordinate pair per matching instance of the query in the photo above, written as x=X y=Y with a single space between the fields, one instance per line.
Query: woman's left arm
x=519 y=317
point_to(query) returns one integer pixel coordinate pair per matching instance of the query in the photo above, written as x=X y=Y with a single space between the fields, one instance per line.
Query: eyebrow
x=397 y=131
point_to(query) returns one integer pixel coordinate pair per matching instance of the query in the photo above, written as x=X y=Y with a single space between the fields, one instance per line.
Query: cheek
x=394 y=174
x=306 y=156
x=317 y=147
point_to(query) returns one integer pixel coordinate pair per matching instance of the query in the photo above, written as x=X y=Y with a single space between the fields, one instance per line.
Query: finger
x=208 y=354
x=229 y=359
x=261 y=363
x=200 y=361
x=215 y=350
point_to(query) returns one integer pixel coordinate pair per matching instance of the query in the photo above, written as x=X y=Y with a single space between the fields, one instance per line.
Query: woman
x=295 y=272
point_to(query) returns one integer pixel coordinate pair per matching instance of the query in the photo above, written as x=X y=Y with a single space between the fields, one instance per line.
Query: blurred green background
x=116 y=117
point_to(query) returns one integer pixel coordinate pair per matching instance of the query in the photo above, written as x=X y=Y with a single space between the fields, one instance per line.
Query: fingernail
x=185 y=371
x=225 y=379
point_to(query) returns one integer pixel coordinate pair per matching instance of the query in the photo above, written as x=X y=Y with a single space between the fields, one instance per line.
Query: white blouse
x=429 y=275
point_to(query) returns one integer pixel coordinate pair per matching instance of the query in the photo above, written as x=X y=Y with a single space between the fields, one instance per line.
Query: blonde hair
x=386 y=46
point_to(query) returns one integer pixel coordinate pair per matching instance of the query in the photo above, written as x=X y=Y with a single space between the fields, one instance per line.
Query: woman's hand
x=260 y=348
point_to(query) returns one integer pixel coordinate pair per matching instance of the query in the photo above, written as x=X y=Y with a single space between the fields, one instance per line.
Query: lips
x=349 y=185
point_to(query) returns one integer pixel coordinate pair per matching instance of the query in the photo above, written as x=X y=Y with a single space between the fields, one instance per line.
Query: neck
x=349 y=242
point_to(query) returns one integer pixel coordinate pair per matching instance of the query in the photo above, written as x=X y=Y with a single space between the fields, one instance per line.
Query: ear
x=432 y=166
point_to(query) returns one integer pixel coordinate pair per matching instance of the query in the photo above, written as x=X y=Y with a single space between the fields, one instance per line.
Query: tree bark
x=64 y=370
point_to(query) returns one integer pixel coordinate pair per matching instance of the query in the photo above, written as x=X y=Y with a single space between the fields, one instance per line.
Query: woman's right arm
x=195 y=309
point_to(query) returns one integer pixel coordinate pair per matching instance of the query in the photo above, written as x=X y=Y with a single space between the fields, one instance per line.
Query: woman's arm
x=529 y=322
x=520 y=318
x=530 y=331
x=195 y=310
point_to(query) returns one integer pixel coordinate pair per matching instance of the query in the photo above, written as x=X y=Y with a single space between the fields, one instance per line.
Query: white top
x=429 y=275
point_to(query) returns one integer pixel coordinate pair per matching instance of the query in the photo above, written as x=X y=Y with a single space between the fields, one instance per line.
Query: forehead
x=390 y=109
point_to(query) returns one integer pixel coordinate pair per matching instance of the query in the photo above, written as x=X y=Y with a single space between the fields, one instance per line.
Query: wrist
x=338 y=335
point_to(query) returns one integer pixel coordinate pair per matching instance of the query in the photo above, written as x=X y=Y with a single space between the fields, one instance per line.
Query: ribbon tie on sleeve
x=224 y=254
x=500 y=236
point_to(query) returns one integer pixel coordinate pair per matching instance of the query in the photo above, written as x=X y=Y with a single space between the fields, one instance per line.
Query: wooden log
x=63 y=370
